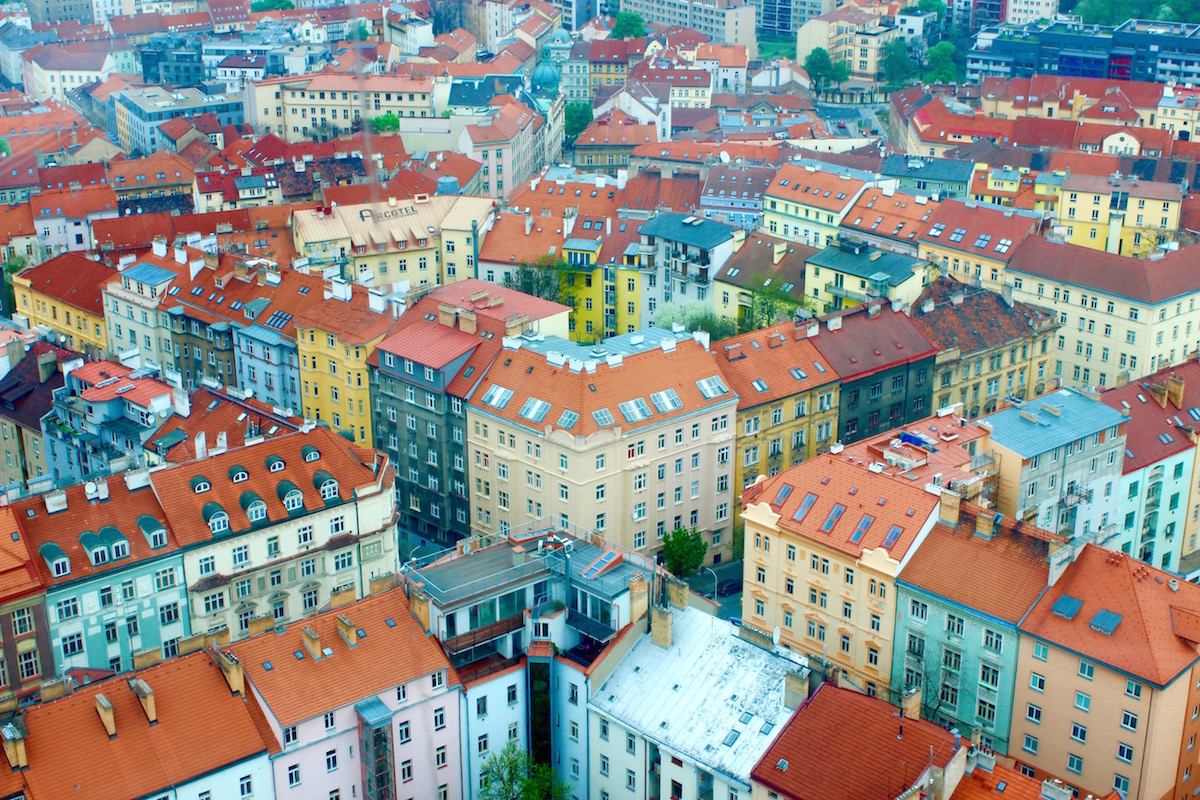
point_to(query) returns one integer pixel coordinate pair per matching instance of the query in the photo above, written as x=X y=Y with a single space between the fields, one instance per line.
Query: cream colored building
x=849 y=34
x=50 y=71
x=1121 y=215
x=424 y=240
x=824 y=543
x=298 y=108
x=633 y=438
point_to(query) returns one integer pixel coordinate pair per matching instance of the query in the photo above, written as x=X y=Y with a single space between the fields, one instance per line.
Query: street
x=702 y=582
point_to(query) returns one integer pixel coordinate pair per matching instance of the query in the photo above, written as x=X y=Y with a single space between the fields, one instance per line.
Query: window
x=1033 y=713
x=294 y=775
x=246 y=787
x=1133 y=689
x=1031 y=744
x=1086 y=670
x=1078 y=732
x=1083 y=702
x=439 y=719
x=1040 y=651
x=993 y=640
x=1037 y=682
x=954 y=625
x=482 y=744
x=1074 y=763
x=918 y=610
x=406 y=771
x=1125 y=752
x=1129 y=720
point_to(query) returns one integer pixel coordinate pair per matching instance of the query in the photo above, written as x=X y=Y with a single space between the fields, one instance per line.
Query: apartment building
x=957 y=640
x=989 y=347
x=113 y=574
x=334 y=341
x=889 y=219
x=1106 y=692
x=787 y=400
x=848 y=272
x=426 y=240
x=722 y=21
x=285 y=106
x=27 y=395
x=644 y=719
x=137 y=297
x=511 y=143
x=160 y=174
x=973 y=242
x=1119 y=215
x=852 y=35
x=137 y=113
x=263 y=548
x=1157 y=473
x=561 y=450
x=1118 y=315
x=26 y=654
x=1059 y=459
x=931 y=176
x=742 y=289
x=64 y=217
x=344 y=713
x=734 y=194
x=885 y=363
x=680 y=255
x=50 y=71
x=533 y=623
x=807 y=204
x=421 y=374
x=831 y=591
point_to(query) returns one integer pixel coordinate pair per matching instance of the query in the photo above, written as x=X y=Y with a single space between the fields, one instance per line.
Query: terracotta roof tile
x=16 y=221
x=865 y=344
x=71 y=754
x=131 y=231
x=860 y=493
x=766 y=261
x=215 y=412
x=1139 y=279
x=818 y=189
x=352 y=321
x=863 y=760
x=982 y=320
x=18 y=571
x=1148 y=421
x=960 y=225
x=772 y=357
x=392 y=650
x=73 y=279
x=890 y=215
x=24 y=397
x=1145 y=642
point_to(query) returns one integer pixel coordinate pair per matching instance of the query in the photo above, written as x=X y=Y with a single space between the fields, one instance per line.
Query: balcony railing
x=483 y=635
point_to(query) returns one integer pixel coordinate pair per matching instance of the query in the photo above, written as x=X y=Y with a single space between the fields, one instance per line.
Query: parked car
x=729 y=587
x=735 y=622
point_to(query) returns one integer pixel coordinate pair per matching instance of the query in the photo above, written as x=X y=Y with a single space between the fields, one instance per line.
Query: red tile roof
x=837 y=482
x=499 y=304
x=215 y=412
x=879 y=755
x=1148 y=421
x=770 y=357
x=976 y=220
x=185 y=509
x=816 y=188
x=980 y=321
x=616 y=128
x=898 y=216
x=70 y=754
x=73 y=279
x=73 y=203
x=1147 y=642
x=15 y=221
x=131 y=231
x=392 y=650
x=865 y=345
x=1140 y=279
x=352 y=321
x=19 y=575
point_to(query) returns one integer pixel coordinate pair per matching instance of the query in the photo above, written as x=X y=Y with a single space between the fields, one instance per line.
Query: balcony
x=847 y=294
x=1076 y=494
x=590 y=627
x=483 y=635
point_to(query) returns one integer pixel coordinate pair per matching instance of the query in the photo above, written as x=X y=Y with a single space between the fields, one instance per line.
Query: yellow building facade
x=1119 y=215
x=66 y=300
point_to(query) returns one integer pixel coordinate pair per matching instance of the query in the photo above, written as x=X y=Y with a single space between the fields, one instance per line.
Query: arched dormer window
x=238 y=474
x=200 y=484
x=310 y=453
x=326 y=484
x=215 y=517
x=293 y=500
x=274 y=464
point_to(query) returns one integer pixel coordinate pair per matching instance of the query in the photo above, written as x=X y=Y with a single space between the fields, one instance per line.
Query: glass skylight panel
x=666 y=401
x=712 y=387
x=603 y=417
x=958 y=234
x=892 y=536
x=497 y=396
x=568 y=419
x=535 y=410
x=805 y=505
x=835 y=514
x=635 y=410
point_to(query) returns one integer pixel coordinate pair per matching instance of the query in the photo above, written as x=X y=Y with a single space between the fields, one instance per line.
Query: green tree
x=628 y=26
x=936 y=6
x=737 y=542
x=271 y=5
x=684 y=550
x=819 y=67
x=11 y=267
x=897 y=65
x=840 y=73
x=360 y=34
x=4 y=148
x=696 y=316
x=548 y=278
x=942 y=67
x=385 y=122
x=510 y=774
x=767 y=305
x=576 y=117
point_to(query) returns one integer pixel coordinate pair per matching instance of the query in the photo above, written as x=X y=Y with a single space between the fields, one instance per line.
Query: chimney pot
x=347 y=630
x=105 y=709
x=146 y=695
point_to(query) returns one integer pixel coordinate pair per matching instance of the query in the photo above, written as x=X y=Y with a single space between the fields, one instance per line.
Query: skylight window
x=958 y=234
x=535 y=410
x=892 y=536
x=712 y=387
x=635 y=410
x=798 y=373
x=861 y=529
x=805 y=505
x=835 y=514
x=937 y=230
x=568 y=419
x=666 y=401
x=603 y=417
x=497 y=396
x=1003 y=245
x=983 y=240
x=782 y=495
x=759 y=384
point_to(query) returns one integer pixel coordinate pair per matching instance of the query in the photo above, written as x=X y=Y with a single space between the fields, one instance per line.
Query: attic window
x=200 y=485
x=805 y=505
x=238 y=474
x=958 y=234
x=759 y=384
x=274 y=464
x=937 y=230
x=61 y=567
x=568 y=419
x=535 y=410
x=893 y=535
x=497 y=396
x=329 y=489
x=712 y=387
x=730 y=738
x=983 y=240
x=798 y=373
x=861 y=529
x=310 y=453
x=1003 y=245
x=635 y=410
x=666 y=401
x=835 y=514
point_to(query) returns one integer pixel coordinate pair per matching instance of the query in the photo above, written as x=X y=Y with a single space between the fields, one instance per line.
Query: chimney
x=159 y=246
x=927 y=307
x=233 y=672
x=910 y=705
x=780 y=250
x=515 y=326
x=639 y=597
x=312 y=642
x=957 y=297
x=14 y=735
x=661 y=621
x=949 y=508
x=528 y=224
x=347 y=630
x=468 y=322
x=446 y=314
x=210 y=260
x=976 y=738
x=47 y=365
x=101 y=489
x=376 y=301
x=146 y=695
x=1054 y=789
x=985 y=523
x=55 y=501
x=105 y=709
x=200 y=444
x=1061 y=556
x=1175 y=391
x=1006 y=294
x=677 y=593
x=180 y=256
x=795 y=689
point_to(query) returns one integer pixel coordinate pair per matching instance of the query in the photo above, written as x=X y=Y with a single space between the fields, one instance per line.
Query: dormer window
x=200 y=484
x=158 y=538
x=293 y=500
x=274 y=464
x=61 y=567
x=120 y=549
x=238 y=474
x=99 y=556
x=310 y=453
x=257 y=512
x=329 y=490
x=153 y=530
x=219 y=523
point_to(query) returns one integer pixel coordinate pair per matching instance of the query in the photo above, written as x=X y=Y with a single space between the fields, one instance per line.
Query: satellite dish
x=89 y=488
x=775 y=636
x=724 y=157
x=466 y=548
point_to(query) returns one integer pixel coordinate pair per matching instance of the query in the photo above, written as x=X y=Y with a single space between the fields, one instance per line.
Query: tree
x=11 y=267
x=936 y=6
x=4 y=148
x=360 y=34
x=271 y=5
x=577 y=116
x=819 y=67
x=767 y=305
x=385 y=122
x=696 y=316
x=897 y=65
x=684 y=550
x=737 y=542
x=628 y=26
x=942 y=66
x=446 y=16
x=839 y=73
x=510 y=774
x=548 y=278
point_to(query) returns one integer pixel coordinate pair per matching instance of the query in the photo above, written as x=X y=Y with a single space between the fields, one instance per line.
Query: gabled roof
x=816 y=188
x=1149 y=640
x=981 y=319
x=72 y=279
x=771 y=364
x=978 y=229
x=1141 y=280
x=879 y=755
x=70 y=753
x=215 y=412
x=131 y=231
x=898 y=216
x=767 y=262
x=1163 y=409
x=18 y=572
x=185 y=509
x=73 y=203
x=133 y=515
x=829 y=500
x=1050 y=421
x=390 y=649
x=24 y=397
x=866 y=344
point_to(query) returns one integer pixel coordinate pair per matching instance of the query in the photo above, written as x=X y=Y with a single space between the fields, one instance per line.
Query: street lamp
x=714 y=574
